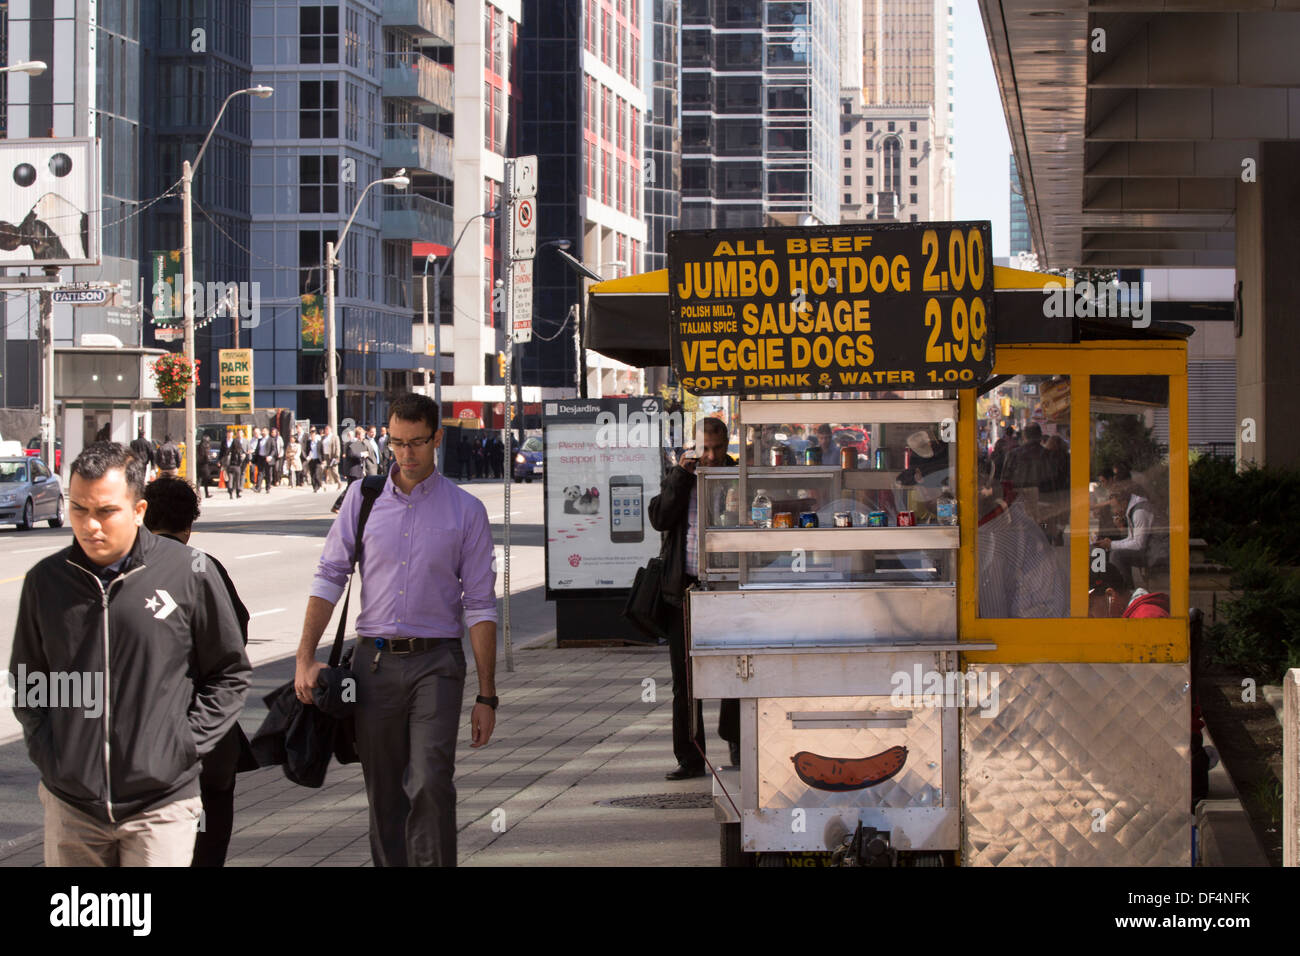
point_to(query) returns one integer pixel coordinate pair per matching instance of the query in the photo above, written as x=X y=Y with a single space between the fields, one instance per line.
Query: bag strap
x=370 y=490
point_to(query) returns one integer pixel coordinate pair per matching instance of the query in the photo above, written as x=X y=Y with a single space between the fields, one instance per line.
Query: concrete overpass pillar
x=1268 y=268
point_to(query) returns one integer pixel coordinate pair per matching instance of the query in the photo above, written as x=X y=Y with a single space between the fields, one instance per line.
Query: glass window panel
x=1130 y=514
x=1024 y=497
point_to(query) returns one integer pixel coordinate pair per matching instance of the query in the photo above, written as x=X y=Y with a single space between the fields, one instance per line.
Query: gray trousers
x=407 y=716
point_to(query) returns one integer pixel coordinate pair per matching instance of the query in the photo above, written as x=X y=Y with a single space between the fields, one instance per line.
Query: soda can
x=843 y=519
x=808 y=519
x=907 y=519
x=812 y=455
x=776 y=456
x=877 y=519
x=882 y=459
x=783 y=519
x=848 y=458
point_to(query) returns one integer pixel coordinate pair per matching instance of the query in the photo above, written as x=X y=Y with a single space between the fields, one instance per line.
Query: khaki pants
x=163 y=836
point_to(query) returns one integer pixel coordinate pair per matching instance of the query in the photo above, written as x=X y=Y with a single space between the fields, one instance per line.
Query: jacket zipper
x=108 y=691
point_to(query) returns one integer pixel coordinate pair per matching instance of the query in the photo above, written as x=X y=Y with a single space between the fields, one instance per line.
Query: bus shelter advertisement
x=831 y=308
x=603 y=465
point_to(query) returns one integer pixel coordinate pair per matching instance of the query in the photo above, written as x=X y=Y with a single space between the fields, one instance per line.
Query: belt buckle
x=393 y=642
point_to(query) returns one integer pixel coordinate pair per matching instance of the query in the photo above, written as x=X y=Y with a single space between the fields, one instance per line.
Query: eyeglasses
x=416 y=443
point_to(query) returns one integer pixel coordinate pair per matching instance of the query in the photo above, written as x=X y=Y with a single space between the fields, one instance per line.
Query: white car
x=29 y=493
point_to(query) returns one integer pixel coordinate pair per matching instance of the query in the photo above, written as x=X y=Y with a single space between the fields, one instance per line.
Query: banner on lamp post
x=312 y=324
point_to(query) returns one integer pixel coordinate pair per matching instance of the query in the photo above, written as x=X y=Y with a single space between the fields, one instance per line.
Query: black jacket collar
x=144 y=543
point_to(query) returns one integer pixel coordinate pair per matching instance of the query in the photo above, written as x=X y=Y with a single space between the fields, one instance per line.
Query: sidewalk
x=572 y=731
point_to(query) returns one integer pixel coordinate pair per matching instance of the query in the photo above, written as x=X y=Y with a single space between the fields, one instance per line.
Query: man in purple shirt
x=426 y=563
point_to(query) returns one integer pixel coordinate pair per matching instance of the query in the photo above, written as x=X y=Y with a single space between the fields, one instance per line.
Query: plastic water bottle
x=947 y=506
x=760 y=512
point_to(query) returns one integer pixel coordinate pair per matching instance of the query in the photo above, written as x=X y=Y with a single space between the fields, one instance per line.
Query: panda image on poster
x=45 y=188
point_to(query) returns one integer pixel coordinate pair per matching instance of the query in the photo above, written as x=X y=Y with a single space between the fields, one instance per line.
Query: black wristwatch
x=490 y=701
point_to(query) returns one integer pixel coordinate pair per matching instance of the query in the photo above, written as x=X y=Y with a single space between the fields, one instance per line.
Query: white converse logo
x=161 y=608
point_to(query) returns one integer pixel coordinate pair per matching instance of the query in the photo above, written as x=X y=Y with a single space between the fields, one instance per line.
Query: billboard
x=603 y=464
x=831 y=308
x=49 y=202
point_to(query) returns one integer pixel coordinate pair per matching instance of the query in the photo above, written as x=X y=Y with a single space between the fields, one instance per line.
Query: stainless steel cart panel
x=1082 y=765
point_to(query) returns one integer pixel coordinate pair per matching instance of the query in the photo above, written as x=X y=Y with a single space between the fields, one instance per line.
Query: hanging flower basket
x=172 y=373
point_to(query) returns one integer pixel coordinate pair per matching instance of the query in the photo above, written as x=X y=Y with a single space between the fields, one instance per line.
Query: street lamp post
x=30 y=67
x=583 y=273
x=401 y=181
x=187 y=265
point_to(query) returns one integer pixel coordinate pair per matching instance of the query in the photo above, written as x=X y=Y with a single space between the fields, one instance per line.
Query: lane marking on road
x=257 y=554
x=10 y=580
x=274 y=610
x=54 y=547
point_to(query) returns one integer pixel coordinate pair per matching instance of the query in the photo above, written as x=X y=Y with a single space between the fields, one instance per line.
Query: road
x=270 y=544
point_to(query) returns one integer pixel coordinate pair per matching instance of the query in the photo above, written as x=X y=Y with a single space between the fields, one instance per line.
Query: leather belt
x=407 y=645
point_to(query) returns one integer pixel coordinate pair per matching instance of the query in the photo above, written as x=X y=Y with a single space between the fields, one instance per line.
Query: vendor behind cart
x=673 y=513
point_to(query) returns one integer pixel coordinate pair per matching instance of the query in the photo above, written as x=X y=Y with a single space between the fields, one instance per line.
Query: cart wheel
x=729 y=840
x=926 y=859
x=771 y=859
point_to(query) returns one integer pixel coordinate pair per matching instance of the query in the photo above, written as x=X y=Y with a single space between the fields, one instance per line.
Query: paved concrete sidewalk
x=572 y=731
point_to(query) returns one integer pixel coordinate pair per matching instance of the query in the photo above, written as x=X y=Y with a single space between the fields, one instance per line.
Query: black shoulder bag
x=303 y=738
x=331 y=693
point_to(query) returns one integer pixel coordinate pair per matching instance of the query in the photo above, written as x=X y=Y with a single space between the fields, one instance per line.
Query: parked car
x=34 y=451
x=29 y=492
x=528 y=460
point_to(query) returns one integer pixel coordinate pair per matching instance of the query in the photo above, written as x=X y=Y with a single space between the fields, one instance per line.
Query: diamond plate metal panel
x=1082 y=765
x=918 y=784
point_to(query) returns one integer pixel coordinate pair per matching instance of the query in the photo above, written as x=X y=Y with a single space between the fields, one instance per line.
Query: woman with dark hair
x=173 y=507
x=203 y=466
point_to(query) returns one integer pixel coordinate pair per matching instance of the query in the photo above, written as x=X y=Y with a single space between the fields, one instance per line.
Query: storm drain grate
x=662 y=801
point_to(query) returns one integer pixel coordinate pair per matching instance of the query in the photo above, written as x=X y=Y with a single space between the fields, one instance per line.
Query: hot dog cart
x=943 y=688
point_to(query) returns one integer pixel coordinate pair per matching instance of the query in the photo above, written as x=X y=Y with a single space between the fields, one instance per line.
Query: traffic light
x=501 y=365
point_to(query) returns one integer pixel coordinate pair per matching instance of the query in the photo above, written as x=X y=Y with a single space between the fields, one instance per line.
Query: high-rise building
x=581 y=113
x=361 y=90
x=759 y=94
x=1021 y=242
x=193 y=57
x=92 y=87
x=662 y=168
x=896 y=135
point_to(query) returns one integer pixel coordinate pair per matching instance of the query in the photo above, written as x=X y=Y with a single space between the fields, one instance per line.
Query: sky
x=982 y=147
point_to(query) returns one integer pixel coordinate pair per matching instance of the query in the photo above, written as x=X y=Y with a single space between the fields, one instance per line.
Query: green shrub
x=1258 y=632
x=1230 y=509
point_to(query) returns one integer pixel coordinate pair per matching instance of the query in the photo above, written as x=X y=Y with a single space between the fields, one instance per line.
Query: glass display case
x=833 y=494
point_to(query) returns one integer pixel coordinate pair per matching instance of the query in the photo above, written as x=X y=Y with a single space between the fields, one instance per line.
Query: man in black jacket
x=173 y=509
x=673 y=512
x=122 y=609
x=168 y=458
x=142 y=448
x=233 y=458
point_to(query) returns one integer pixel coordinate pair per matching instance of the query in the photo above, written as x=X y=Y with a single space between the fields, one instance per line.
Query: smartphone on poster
x=626 y=509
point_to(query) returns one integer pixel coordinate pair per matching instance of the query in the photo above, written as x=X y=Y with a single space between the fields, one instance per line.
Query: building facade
x=193 y=57
x=582 y=112
x=92 y=87
x=897 y=133
x=759 y=94
x=662 y=167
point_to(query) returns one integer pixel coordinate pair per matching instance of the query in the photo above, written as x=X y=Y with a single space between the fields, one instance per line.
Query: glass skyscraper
x=759 y=100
